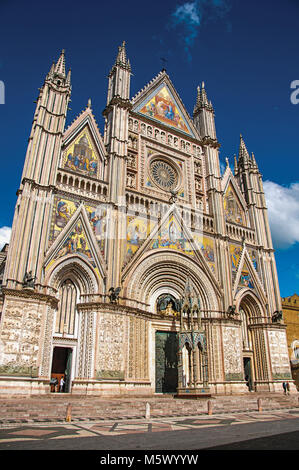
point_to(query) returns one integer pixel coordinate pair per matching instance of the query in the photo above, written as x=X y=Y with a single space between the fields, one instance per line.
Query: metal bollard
x=147 y=411
x=210 y=408
x=259 y=404
x=69 y=413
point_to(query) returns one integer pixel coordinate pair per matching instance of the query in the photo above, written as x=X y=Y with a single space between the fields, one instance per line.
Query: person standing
x=61 y=385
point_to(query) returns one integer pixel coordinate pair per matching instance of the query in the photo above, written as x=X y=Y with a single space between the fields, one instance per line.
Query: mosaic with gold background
x=170 y=236
x=64 y=209
x=232 y=208
x=80 y=156
x=162 y=107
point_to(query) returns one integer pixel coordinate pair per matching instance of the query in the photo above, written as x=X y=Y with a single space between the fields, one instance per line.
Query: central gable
x=161 y=106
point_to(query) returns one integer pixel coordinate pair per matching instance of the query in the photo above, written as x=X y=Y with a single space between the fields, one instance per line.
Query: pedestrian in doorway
x=288 y=388
x=61 y=385
x=284 y=388
x=53 y=383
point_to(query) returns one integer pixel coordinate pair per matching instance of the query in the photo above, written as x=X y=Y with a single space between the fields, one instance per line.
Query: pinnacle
x=243 y=152
x=122 y=56
x=60 y=65
x=202 y=99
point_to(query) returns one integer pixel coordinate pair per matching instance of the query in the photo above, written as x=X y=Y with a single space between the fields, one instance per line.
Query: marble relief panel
x=20 y=338
x=232 y=349
x=112 y=346
x=279 y=354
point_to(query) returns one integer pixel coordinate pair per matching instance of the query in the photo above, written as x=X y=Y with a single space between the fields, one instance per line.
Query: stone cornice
x=29 y=293
x=107 y=307
x=117 y=101
x=34 y=184
x=276 y=326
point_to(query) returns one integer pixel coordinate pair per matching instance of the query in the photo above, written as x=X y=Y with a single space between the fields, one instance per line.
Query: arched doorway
x=65 y=333
x=252 y=341
x=165 y=273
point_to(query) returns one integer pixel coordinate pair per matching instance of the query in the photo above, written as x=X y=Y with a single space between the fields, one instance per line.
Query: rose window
x=164 y=175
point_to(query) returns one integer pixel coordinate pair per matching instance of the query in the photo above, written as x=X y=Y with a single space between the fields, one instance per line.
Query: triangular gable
x=247 y=277
x=234 y=202
x=159 y=101
x=234 y=210
x=172 y=234
x=64 y=209
x=228 y=178
x=77 y=238
x=83 y=150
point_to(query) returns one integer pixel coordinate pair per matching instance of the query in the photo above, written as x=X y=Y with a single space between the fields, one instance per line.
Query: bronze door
x=166 y=362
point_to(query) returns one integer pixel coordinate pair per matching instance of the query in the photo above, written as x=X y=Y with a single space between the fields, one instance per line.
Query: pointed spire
x=68 y=78
x=121 y=59
x=235 y=164
x=60 y=66
x=57 y=74
x=243 y=152
x=51 y=71
x=202 y=99
x=197 y=103
x=254 y=164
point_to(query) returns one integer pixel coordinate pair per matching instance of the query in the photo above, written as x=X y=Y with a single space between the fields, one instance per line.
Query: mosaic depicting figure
x=98 y=220
x=206 y=246
x=245 y=278
x=76 y=243
x=82 y=158
x=163 y=107
x=235 y=253
x=171 y=236
x=64 y=210
x=232 y=210
x=62 y=214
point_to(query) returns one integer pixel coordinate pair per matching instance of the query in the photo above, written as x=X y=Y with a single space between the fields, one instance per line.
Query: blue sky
x=245 y=52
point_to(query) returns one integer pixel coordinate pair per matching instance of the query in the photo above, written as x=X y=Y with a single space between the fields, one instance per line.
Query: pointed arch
x=162 y=270
x=192 y=249
x=245 y=263
x=78 y=271
x=77 y=228
x=253 y=305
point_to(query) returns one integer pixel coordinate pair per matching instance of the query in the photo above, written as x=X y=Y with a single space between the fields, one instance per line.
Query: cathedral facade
x=134 y=265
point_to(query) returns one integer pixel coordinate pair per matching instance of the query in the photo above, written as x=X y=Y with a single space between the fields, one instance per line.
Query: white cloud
x=5 y=233
x=190 y=15
x=283 y=211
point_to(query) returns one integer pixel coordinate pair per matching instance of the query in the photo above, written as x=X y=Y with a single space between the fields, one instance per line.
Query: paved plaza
x=269 y=422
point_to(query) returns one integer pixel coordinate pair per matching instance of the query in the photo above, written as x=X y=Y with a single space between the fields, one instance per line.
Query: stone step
x=100 y=408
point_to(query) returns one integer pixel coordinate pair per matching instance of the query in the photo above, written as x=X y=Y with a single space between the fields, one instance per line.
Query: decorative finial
x=89 y=103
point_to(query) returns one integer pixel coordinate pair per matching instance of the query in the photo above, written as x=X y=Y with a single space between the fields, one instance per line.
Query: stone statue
x=167 y=299
x=173 y=197
x=28 y=281
x=114 y=294
x=277 y=316
x=231 y=311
